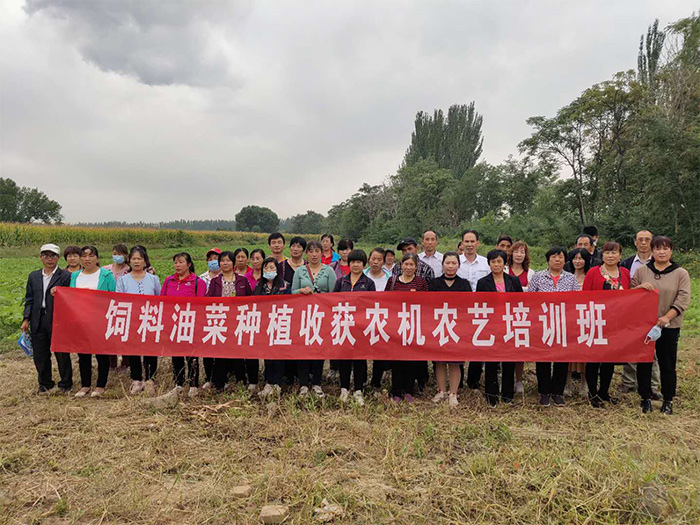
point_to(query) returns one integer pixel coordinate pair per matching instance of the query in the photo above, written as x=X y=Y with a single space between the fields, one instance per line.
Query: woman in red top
x=607 y=276
x=405 y=373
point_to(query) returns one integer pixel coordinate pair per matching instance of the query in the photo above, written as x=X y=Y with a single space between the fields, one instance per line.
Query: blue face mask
x=269 y=275
x=653 y=335
x=118 y=259
x=213 y=265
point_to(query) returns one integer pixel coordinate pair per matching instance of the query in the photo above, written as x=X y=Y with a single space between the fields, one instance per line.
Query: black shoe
x=667 y=408
x=646 y=406
x=558 y=400
x=596 y=402
x=608 y=399
x=43 y=390
x=655 y=396
x=544 y=400
x=64 y=391
x=492 y=401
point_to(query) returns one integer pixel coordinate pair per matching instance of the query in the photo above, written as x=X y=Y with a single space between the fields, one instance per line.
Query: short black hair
x=585 y=236
x=554 y=250
x=451 y=254
x=258 y=250
x=345 y=244
x=495 y=254
x=389 y=250
x=430 y=230
x=504 y=238
x=142 y=252
x=358 y=255
x=380 y=251
x=239 y=250
x=476 y=234
x=273 y=236
x=92 y=249
x=300 y=241
x=590 y=230
x=231 y=256
x=70 y=250
x=187 y=258
x=120 y=248
x=329 y=236
x=314 y=245
x=660 y=241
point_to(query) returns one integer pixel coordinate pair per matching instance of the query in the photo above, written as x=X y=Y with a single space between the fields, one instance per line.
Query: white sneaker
x=452 y=400
x=207 y=385
x=252 y=388
x=266 y=392
x=519 y=389
x=344 y=395
x=318 y=390
x=136 y=387
x=439 y=396
x=194 y=392
x=82 y=392
x=98 y=392
x=358 y=398
x=304 y=390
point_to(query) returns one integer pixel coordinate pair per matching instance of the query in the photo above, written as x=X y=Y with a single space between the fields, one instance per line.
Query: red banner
x=435 y=326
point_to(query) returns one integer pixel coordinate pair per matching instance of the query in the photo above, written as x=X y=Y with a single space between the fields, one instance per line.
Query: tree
x=649 y=57
x=21 y=204
x=309 y=222
x=257 y=219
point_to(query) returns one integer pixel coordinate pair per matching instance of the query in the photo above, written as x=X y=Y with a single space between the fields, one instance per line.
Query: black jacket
x=33 y=299
x=487 y=284
x=363 y=284
x=627 y=263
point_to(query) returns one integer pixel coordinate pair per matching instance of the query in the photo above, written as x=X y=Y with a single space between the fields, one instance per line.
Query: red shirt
x=595 y=281
x=522 y=277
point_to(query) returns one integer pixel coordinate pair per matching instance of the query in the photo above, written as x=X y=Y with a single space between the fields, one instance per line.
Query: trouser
x=85 y=365
x=551 y=378
x=605 y=371
x=629 y=375
x=403 y=377
x=474 y=374
x=422 y=374
x=290 y=370
x=378 y=369
x=334 y=364
x=150 y=366
x=274 y=371
x=192 y=370
x=359 y=370
x=309 y=371
x=41 y=345
x=208 y=369
x=507 y=390
x=666 y=351
x=245 y=370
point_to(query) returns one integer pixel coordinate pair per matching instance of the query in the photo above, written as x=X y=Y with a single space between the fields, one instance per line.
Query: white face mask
x=653 y=335
x=269 y=275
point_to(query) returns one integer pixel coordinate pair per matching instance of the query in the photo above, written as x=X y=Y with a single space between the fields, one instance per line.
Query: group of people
x=320 y=267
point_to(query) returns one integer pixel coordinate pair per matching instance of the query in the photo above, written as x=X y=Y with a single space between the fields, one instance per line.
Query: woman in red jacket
x=607 y=276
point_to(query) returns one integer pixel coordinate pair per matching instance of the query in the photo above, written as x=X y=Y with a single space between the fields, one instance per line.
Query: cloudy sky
x=164 y=109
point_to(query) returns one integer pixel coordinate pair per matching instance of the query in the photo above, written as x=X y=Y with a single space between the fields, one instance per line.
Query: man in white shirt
x=472 y=266
x=430 y=255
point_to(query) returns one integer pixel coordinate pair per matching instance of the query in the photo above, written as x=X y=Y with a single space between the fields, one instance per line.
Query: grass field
x=117 y=460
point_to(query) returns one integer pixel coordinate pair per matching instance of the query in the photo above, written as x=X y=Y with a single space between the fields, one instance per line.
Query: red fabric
x=522 y=277
x=594 y=278
x=111 y=323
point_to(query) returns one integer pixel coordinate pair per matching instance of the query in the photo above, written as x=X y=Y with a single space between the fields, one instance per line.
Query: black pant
x=335 y=364
x=150 y=365
x=209 y=369
x=551 y=378
x=274 y=371
x=41 y=345
x=309 y=372
x=403 y=377
x=474 y=374
x=246 y=370
x=192 y=370
x=85 y=365
x=507 y=390
x=358 y=368
x=422 y=374
x=378 y=369
x=666 y=353
x=605 y=370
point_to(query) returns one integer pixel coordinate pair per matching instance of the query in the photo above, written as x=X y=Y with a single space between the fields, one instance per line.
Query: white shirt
x=636 y=263
x=379 y=282
x=473 y=271
x=89 y=281
x=47 y=281
x=434 y=261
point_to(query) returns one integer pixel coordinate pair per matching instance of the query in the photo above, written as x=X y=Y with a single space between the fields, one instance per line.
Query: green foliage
x=187 y=225
x=20 y=204
x=257 y=219
x=309 y=222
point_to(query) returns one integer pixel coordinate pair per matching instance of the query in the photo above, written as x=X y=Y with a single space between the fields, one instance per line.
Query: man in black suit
x=38 y=318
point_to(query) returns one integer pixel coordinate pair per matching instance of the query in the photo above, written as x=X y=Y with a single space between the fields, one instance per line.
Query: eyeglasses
x=49 y=255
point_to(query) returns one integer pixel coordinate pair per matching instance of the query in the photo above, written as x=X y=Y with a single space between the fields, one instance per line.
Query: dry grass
x=117 y=461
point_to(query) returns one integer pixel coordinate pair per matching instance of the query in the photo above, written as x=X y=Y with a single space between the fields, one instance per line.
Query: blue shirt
x=149 y=285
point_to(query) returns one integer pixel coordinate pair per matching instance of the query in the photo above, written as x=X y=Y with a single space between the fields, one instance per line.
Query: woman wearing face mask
x=551 y=377
x=405 y=373
x=673 y=284
x=118 y=268
x=271 y=283
x=313 y=277
x=240 y=260
x=92 y=277
x=230 y=283
x=184 y=283
x=212 y=266
x=139 y=281
x=578 y=264
x=449 y=281
x=607 y=276
x=499 y=281
x=257 y=257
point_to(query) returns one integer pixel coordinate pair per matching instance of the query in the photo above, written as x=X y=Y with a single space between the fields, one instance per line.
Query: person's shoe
x=439 y=396
x=596 y=402
x=150 y=388
x=519 y=388
x=452 y=400
x=667 y=408
x=318 y=391
x=344 y=395
x=408 y=398
x=193 y=392
x=252 y=388
x=82 y=392
x=507 y=400
x=207 y=385
x=136 y=387
x=98 y=392
x=64 y=391
x=544 y=400
x=266 y=391
x=655 y=396
x=491 y=401
x=44 y=391
x=303 y=391
x=646 y=406
x=608 y=399
x=396 y=399
x=558 y=400
x=357 y=396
